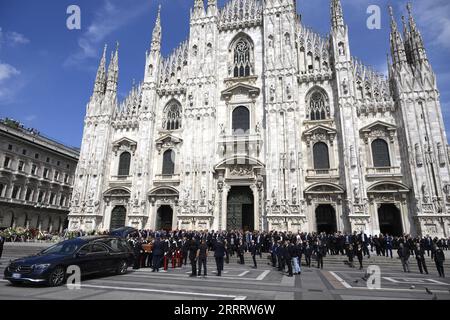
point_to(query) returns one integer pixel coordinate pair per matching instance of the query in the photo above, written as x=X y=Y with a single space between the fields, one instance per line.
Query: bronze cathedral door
x=240 y=209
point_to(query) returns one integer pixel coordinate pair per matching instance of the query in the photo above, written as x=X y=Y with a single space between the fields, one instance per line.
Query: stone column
x=403 y=208
x=312 y=216
x=226 y=189
x=339 y=216
x=27 y=221
x=221 y=200
x=256 y=202
x=175 y=209
x=445 y=225
x=107 y=215
x=372 y=214
x=376 y=220
x=50 y=224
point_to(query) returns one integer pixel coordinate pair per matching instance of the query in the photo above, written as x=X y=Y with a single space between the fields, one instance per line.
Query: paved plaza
x=337 y=281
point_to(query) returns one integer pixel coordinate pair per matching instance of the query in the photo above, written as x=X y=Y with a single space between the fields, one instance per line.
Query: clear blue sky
x=47 y=71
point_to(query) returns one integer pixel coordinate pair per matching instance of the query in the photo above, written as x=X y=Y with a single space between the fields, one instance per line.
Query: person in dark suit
x=359 y=252
x=350 y=255
x=376 y=243
x=273 y=254
x=2 y=243
x=439 y=258
x=299 y=251
x=419 y=252
x=240 y=252
x=320 y=251
x=227 y=246
x=389 y=244
x=254 y=252
x=158 y=254
x=428 y=244
x=281 y=257
x=259 y=244
x=193 y=252
x=219 y=253
x=404 y=254
x=184 y=250
x=138 y=252
x=364 y=241
x=308 y=250
x=347 y=241
x=289 y=249
x=202 y=257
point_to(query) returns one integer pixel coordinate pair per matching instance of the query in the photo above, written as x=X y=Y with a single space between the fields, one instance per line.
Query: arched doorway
x=164 y=218
x=118 y=217
x=326 y=219
x=390 y=219
x=240 y=209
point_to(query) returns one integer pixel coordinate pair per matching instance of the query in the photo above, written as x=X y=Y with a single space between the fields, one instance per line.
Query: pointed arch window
x=321 y=156
x=168 y=167
x=318 y=109
x=124 y=164
x=242 y=51
x=380 y=154
x=172 y=116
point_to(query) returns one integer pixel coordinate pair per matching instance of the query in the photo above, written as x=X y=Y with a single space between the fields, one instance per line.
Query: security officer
x=320 y=251
x=193 y=251
x=419 y=252
x=389 y=245
x=202 y=257
x=254 y=252
x=184 y=250
x=137 y=250
x=219 y=253
x=308 y=250
x=287 y=250
x=439 y=258
x=241 y=251
x=2 y=242
x=158 y=254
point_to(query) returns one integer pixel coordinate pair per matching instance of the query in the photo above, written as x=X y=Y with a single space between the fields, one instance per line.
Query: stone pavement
x=337 y=281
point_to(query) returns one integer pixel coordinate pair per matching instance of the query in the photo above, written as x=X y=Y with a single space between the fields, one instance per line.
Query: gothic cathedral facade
x=256 y=122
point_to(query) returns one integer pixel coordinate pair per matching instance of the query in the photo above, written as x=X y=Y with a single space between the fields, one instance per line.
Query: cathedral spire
x=100 y=79
x=113 y=71
x=416 y=41
x=397 y=46
x=407 y=41
x=337 y=16
x=156 y=37
x=389 y=66
x=199 y=9
x=212 y=7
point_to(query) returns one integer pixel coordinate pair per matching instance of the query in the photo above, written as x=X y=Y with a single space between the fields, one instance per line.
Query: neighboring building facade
x=36 y=177
x=257 y=122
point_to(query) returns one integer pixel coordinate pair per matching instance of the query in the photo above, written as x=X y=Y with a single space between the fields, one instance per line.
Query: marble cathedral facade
x=256 y=122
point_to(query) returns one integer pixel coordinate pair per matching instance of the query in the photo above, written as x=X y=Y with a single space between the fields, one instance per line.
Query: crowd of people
x=33 y=235
x=161 y=250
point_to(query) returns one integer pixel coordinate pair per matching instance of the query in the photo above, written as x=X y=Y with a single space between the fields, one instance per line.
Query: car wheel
x=15 y=283
x=56 y=278
x=122 y=267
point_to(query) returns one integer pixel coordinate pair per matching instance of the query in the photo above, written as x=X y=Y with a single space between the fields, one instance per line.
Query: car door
x=84 y=260
x=116 y=252
x=102 y=257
